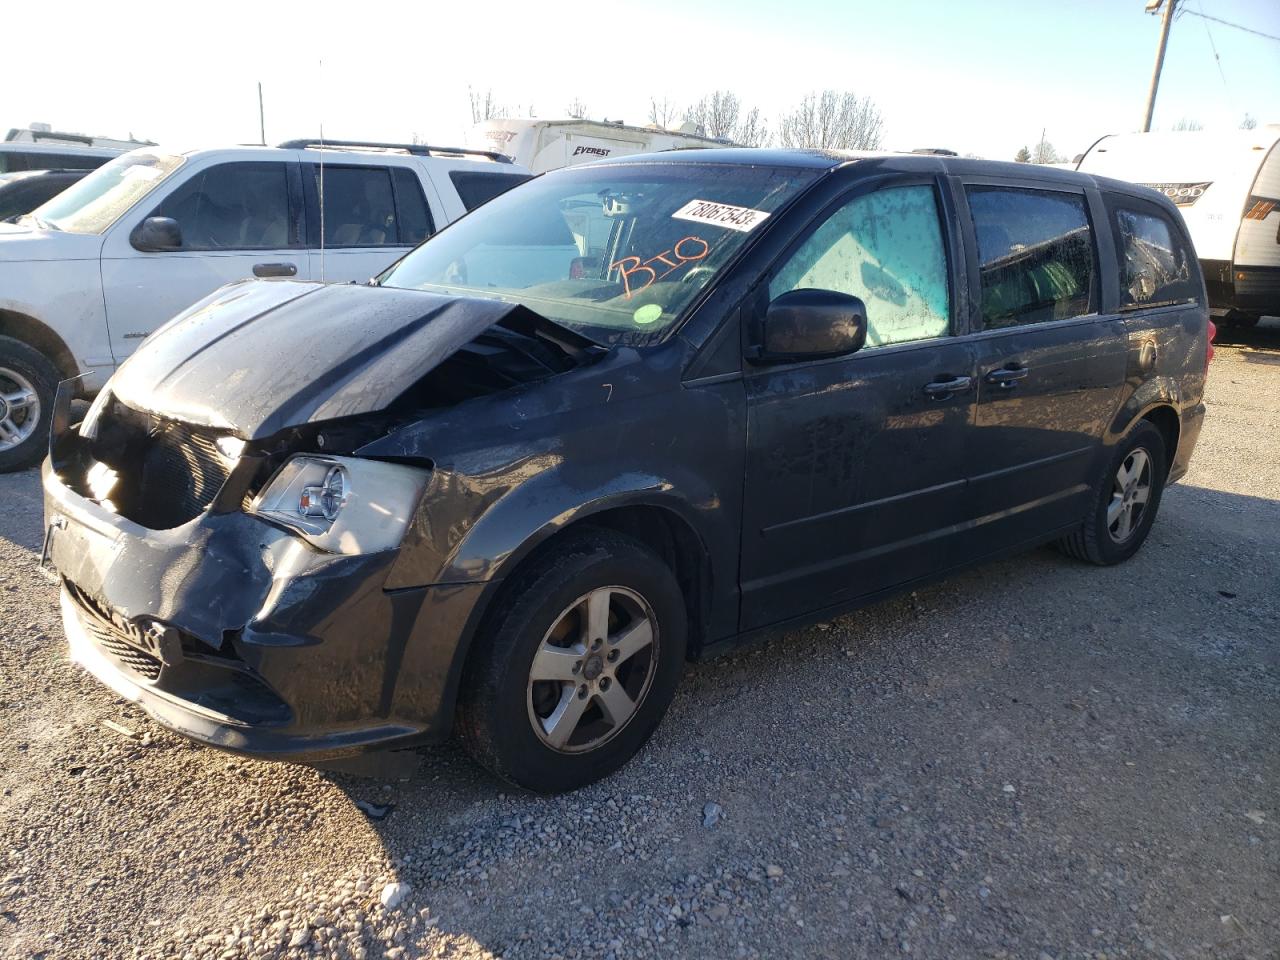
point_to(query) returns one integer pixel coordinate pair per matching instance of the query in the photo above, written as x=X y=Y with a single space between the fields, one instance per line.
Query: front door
x=238 y=220
x=855 y=464
x=1050 y=364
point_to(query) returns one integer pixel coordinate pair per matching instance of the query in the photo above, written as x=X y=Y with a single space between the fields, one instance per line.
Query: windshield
x=617 y=251
x=97 y=201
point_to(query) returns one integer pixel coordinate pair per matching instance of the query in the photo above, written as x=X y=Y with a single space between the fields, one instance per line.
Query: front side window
x=359 y=207
x=232 y=206
x=618 y=251
x=100 y=199
x=886 y=248
x=1035 y=253
x=1154 y=263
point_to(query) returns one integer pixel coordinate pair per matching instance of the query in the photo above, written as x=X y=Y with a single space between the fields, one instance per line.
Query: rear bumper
x=236 y=634
x=1242 y=288
x=1188 y=433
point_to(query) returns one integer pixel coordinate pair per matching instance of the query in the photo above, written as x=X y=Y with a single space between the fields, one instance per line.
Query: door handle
x=275 y=270
x=1006 y=378
x=941 y=389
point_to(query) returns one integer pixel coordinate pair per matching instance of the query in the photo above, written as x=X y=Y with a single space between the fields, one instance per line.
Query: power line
x=1212 y=46
x=1228 y=23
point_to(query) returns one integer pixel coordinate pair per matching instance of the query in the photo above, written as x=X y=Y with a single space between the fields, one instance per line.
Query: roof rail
x=35 y=135
x=417 y=149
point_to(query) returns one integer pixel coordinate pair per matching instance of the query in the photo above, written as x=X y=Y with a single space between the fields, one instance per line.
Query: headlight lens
x=343 y=504
x=327 y=499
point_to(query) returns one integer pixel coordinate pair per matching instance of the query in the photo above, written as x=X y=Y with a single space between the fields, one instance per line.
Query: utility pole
x=262 y=121
x=1165 y=23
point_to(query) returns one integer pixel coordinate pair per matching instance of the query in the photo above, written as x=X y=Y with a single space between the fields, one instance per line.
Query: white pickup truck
x=87 y=276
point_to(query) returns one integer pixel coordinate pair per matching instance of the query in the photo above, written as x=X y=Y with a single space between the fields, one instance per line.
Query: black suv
x=627 y=414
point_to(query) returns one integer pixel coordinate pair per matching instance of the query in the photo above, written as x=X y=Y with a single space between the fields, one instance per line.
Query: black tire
x=1094 y=541
x=33 y=366
x=496 y=710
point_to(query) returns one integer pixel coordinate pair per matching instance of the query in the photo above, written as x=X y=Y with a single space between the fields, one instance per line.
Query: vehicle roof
x=877 y=161
x=328 y=153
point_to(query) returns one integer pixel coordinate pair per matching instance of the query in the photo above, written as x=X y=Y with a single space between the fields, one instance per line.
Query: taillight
x=1208 y=353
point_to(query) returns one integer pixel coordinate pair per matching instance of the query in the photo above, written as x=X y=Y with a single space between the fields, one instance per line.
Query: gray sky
x=982 y=77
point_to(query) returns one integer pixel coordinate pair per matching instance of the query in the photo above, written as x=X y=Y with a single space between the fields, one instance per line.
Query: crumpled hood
x=258 y=356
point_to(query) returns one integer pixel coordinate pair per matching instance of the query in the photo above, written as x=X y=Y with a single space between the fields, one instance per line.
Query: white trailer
x=542 y=145
x=1227 y=185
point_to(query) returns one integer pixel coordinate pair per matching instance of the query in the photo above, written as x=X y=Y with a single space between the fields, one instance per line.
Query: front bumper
x=237 y=634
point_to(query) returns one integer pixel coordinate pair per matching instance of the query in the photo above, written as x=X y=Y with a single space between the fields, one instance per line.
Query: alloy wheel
x=19 y=409
x=593 y=669
x=1130 y=492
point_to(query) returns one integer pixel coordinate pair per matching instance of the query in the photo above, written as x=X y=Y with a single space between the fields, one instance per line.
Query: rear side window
x=1155 y=265
x=232 y=206
x=476 y=188
x=359 y=206
x=886 y=248
x=415 y=217
x=1035 y=254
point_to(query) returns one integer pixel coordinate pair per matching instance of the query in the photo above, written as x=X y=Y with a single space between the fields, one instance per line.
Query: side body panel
x=143 y=290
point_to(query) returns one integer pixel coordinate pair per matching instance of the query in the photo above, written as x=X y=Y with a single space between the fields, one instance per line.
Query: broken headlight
x=343 y=504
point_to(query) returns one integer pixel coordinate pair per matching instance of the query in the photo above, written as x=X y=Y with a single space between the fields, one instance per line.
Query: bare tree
x=833 y=119
x=751 y=130
x=1045 y=153
x=577 y=109
x=1186 y=124
x=663 y=114
x=1022 y=156
x=483 y=106
x=1248 y=123
x=721 y=115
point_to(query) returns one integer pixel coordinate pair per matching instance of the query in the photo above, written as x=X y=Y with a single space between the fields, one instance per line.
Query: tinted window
x=477 y=188
x=232 y=206
x=1154 y=264
x=359 y=207
x=415 y=218
x=1036 y=256
x=885 y=247
x=23 y=196
x=66 y=161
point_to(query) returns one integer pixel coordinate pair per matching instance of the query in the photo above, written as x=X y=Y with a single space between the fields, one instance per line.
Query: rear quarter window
x=476 y=187
x=1155 y=264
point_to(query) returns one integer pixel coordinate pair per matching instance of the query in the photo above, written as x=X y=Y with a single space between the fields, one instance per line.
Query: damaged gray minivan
x=624 y=415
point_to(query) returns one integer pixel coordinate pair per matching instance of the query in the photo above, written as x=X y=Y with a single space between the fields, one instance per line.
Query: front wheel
x=28 y=382
x=576 y=668
x=1124 y=502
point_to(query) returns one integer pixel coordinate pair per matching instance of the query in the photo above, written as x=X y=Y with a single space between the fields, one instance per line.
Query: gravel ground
x=1033 y=759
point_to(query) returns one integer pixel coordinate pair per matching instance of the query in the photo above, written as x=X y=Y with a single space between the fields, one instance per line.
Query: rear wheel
x=575 y=670
x=28 y=383
x=1125 y=500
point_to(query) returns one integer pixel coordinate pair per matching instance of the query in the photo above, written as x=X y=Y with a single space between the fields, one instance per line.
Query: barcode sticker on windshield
x=742 y=219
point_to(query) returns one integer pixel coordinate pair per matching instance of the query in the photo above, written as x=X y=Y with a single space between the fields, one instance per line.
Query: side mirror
x=812 y=324
x=157 y=234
